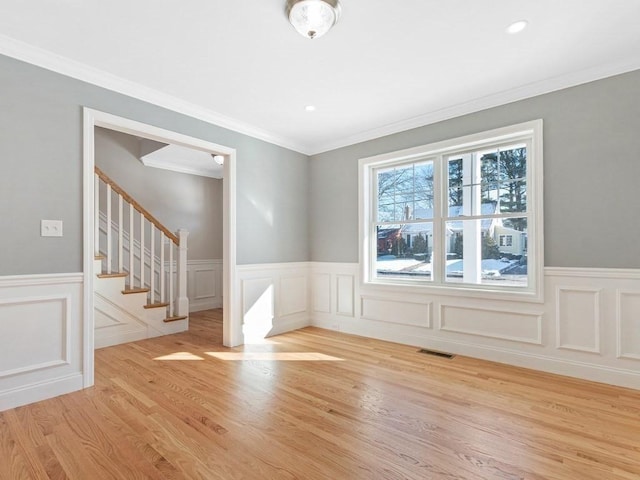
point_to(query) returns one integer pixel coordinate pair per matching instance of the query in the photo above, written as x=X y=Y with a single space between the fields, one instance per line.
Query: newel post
x=182 y=300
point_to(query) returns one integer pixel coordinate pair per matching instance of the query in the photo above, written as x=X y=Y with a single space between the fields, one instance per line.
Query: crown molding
x=490 y=101
x=48 y=60
x=71 y=68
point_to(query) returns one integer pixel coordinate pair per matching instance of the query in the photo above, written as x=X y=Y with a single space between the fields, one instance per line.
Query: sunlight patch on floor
x=275 y=356
x=179 y=356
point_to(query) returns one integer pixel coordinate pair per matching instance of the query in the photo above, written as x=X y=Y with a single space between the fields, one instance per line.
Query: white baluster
x=108 y=228
x=141 y=250
x=120 y=235
x=171 y=279
x=131 y=253
x=152 y=257
x=162 y=272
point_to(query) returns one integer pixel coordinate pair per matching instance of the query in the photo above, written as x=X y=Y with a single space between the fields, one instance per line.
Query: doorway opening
x=232 y=328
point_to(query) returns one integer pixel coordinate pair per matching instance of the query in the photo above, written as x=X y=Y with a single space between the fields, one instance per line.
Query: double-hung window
x=463 y=214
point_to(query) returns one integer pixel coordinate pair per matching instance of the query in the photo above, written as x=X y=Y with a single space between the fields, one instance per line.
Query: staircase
x=140 y=291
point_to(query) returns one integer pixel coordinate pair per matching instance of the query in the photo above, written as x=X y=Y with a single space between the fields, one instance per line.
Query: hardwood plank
x=31 y=454
x=315 y=404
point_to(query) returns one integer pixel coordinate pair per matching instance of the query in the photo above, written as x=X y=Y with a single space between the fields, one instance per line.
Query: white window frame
x=530 y=132
x=505 y=240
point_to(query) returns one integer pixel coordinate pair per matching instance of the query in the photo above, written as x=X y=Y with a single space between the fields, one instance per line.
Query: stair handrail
x=105 y=178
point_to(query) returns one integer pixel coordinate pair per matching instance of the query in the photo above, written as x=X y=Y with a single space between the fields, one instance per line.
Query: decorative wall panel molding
x=40 y=337
x=578 y=319
x=628 y=324
x=292 y=294
x=204 y=284
x=23 y=320
x=321 y=292
x=274 y=298
x=402 y=312
x=484 y=322
x=344 y=295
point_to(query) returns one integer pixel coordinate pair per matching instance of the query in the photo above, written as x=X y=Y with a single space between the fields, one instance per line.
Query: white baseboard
x=37 y=392
x=288 y=324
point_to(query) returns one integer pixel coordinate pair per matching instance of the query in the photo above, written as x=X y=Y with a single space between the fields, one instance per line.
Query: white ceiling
x=386 y=66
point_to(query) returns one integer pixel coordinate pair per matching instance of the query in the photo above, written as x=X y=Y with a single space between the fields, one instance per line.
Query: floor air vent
x=435 y=353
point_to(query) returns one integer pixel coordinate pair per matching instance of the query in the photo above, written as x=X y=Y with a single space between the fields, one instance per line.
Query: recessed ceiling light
x=219 y=159
x=310 y=108
x=517 y=27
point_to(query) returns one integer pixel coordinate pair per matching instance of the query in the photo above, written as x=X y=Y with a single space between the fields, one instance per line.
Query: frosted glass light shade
x=313 y=18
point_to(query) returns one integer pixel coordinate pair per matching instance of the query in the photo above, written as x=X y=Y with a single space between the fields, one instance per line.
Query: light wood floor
x=315 y=404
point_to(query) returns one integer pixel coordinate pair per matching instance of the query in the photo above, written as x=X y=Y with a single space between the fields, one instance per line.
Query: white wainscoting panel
x=334 y=289
x=293 y=294
x=274 y=298
x=22 y=320
x=40 y=337
x=406 y=313
x=628 y=320
x=492 y=323
x=204 y=284
x=578 y=319
x=258 y=307
x=344 y=295
x=587 y=327
x=321 y=292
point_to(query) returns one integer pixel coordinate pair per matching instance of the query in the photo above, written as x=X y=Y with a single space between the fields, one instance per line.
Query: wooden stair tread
x=174 y=319
x=156 y=305
x=128 y=291
x=99 y=257
x=113 y=275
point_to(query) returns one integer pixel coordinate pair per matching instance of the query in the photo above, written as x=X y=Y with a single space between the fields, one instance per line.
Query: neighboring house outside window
x=456 y=214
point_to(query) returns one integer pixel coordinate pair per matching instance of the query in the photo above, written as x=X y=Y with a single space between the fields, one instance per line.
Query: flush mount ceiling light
x=219 y=159
x=313 y=18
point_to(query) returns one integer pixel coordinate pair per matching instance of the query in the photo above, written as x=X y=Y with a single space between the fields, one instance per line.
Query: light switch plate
x=51 y=228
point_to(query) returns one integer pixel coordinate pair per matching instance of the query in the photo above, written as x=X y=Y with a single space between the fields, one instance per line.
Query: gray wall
x=591 y=174
x=41 y=161
x=177 y=200
x=592 y=144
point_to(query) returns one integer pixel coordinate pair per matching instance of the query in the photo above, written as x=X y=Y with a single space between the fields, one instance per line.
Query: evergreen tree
x=489 y=247
x=420 y=244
